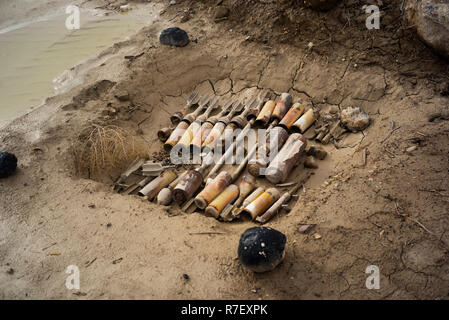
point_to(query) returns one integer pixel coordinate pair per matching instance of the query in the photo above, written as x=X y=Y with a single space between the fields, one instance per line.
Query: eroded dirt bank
x=391 y=211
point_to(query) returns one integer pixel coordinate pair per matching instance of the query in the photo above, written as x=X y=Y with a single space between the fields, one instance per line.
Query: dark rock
x=261 y=249
x=321 y=4
x=354 y=118
x=8 y=164
x=174 y=37
x=430 y=18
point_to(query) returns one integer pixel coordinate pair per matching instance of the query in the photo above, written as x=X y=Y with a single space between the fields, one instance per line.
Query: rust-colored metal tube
x=153 y=188
x=274 y=209
x=265 y=114
x=282 y=106
x=304 y=122
x=187 y=186
x=224 y=198
x=292 y=116
x=253 y=196
x=165 y=196
x=213 y=189
x=164 y=133
x=176 y=135
x=262 y=203
x=246 y=185
x=206 y=128
x=195 y=126
x=275 y=140
x=286 y=159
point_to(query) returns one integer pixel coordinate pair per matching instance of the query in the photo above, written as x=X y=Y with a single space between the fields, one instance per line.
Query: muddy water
x=32 y=54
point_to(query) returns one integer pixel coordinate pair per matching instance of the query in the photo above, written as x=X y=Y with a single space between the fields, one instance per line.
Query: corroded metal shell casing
x=224 y=198
x=262 y=203
x=177 y=116
x=153 y=188
x=252 y=114
x=189 y=118
x=276 y=139
x=187 y=186
x=292 y=116
x=282 y=106
x=226 y=137
x=265 y=114
x=239 y=121
x=213 y=189
x=201 y=136
x=274 y=209
x=213 y=136
x=176 y=135
x=164 y=133
x=253 y=196
x=304 y=122
x=188 y=135
x=246 y=185
x=286 y=159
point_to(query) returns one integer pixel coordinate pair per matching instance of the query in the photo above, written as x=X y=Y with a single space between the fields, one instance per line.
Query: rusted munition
x=212 y=189
x=153 y=188
x=216 y=132
x=265 y=114
x=275 y=140
x=165 y=196
x=182 y=126
x=253 y=196
x=230 y=150
x=282 y=106
x=224 y=198
x=195 y=126
x=292 y=116
x=262 y=203
x=274 y=209
x=187 y=186
x=176 y=135
x=222 y=180
x=246 y=185
x=304 y=122
x=286 y=159
x=164 y=133
x=207 y=127
x=177 y=116
x=249 y=114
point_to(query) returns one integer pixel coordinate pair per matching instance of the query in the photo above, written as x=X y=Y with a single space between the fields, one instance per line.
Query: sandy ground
x=391 y=211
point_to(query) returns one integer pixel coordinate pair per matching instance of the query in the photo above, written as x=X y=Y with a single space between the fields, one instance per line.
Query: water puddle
x=32 y=54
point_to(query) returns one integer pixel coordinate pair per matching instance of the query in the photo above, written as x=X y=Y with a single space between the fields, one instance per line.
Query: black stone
x=174 y=37
x=8 y=164
x=261 y=249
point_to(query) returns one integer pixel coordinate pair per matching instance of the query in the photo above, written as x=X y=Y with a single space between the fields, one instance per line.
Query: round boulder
x=8 y=164
x=174 y=37
x=354 y=118
x=430 y=18
x=261 y=249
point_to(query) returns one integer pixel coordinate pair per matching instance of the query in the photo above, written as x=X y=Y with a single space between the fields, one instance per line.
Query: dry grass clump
x=105 y=149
